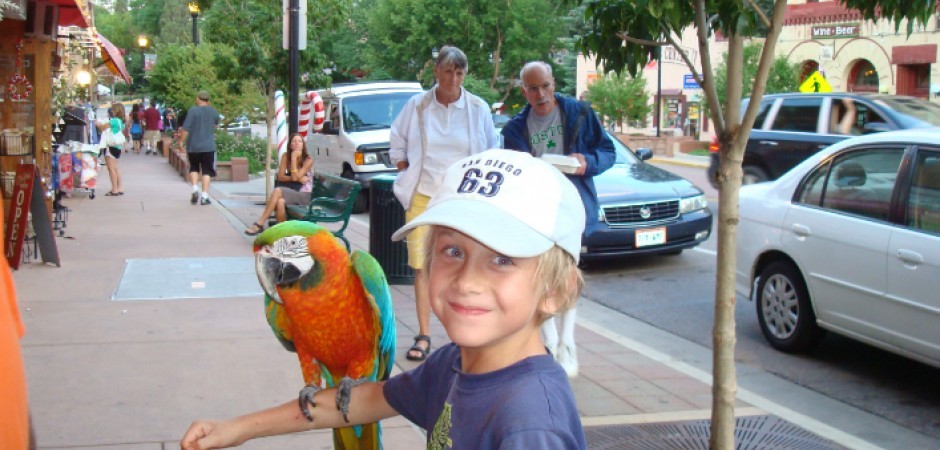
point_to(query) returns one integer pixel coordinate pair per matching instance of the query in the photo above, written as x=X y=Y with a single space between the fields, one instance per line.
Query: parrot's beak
x=268 y=267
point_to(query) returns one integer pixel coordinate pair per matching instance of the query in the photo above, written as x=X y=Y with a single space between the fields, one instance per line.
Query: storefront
x=40 y=63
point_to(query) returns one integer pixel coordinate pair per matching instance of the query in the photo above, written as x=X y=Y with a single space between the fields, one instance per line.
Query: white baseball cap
x=513 y=203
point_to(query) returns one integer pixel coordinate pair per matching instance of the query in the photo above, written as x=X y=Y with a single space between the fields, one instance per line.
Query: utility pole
x=294 y=55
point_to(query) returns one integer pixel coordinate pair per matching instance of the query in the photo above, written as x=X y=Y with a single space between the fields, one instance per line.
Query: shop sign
x=835 y=31
x=19 y=211
x=28 y=199
x=688 y=82
x=825 y=52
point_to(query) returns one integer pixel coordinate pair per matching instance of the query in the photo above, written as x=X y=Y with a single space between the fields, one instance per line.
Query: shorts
x=137 y=136
x=202 y=162
x=152 y=136
x=292 y=197
x=415 y=239
x=114 y=152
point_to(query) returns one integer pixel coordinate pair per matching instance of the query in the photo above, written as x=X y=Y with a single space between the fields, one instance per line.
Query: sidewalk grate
x=750 y=432
x=178 y=278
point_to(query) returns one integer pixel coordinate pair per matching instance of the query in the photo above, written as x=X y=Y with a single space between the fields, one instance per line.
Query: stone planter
x=234 y=170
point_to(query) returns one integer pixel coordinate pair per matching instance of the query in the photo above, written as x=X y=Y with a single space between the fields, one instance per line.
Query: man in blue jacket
x=552 y=123
x=564 y=126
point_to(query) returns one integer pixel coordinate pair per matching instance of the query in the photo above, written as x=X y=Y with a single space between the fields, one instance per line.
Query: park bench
x=331 y=201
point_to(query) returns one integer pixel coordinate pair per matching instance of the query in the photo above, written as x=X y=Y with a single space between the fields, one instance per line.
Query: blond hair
x=558 y=281
x=117 y=110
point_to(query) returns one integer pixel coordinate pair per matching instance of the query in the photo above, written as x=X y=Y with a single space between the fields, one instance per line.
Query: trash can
x=385 y=217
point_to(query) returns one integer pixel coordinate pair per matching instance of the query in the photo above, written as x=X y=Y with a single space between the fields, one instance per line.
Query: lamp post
x=143 y=43
x=83 y=77
x=194 y=12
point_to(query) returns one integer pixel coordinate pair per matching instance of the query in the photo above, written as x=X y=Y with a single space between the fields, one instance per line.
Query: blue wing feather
x=375 y=284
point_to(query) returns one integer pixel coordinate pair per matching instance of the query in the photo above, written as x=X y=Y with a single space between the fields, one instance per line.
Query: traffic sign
x=815 y=82
x=688 y=82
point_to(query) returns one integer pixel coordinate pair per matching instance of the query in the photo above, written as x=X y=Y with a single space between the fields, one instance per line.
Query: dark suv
x=791 y=127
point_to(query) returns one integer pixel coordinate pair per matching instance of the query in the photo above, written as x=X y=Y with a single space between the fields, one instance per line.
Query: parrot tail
x=360 y=437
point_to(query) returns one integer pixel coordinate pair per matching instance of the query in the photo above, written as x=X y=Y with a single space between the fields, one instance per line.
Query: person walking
x=136 y=127
x=553 y=123
x=151 y=129
x=294 y=184
x=198 y=140
x=434 y=129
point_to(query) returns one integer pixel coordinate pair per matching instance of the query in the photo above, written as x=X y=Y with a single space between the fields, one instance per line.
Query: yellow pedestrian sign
x=815 y=83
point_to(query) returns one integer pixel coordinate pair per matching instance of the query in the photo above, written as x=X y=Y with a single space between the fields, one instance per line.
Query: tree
x=783 y=77
x=497 y=36
x=253 y=30
x=182 y=71
x=620 y=97
x=622 y=35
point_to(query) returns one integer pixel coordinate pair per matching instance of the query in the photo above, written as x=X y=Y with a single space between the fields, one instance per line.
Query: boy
x=502 y=251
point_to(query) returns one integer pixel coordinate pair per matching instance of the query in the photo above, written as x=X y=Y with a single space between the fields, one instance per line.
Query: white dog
x=565 y=352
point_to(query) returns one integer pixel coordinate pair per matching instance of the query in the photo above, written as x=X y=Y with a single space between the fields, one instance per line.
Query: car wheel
x=754 y=174
x=784 y=309
x=362 y=201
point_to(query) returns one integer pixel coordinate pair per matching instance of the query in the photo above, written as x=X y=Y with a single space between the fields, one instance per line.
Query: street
x=675 y=294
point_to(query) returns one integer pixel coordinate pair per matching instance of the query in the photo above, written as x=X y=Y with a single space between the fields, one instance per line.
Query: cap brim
x=485 y=223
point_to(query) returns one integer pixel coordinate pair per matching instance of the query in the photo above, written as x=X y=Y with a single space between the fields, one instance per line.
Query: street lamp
x=143 y=43
x=194 y=12
x=83 y=77
x=435 y=52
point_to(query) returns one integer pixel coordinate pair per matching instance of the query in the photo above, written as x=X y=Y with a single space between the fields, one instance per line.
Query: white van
x=354 y=142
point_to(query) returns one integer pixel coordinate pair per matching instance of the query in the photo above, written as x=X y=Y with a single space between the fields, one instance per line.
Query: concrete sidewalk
x=155 y=319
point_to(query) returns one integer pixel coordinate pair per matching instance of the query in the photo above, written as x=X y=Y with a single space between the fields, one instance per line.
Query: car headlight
x=366 y=158
x=692 y=204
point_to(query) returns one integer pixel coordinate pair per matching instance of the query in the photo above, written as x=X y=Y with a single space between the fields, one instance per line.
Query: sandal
x=112 y=194
x=254 y=229
x=422 y=352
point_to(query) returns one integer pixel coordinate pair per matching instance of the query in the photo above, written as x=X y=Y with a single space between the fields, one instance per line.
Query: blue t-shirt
x=200 y=124
x=524 y=406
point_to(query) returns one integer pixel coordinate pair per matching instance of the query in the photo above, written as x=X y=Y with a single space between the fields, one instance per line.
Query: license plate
x=652 y=236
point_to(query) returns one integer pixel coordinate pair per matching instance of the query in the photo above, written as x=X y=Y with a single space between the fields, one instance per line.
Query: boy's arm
x=367 y=405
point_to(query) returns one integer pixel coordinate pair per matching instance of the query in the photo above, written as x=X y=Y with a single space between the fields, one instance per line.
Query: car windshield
x=373 y=111
x=914 y=112
x=624 y=154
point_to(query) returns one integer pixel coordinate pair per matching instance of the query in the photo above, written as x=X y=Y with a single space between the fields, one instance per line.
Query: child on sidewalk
x=503 y=244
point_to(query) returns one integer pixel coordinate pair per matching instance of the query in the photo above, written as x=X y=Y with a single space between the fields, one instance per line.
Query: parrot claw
x=344 y=394
x=306 y=397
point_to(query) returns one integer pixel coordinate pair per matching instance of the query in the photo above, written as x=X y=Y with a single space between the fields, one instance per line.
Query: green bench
x=331 y=201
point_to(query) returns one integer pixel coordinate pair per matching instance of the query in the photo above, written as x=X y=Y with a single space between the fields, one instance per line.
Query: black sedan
x=645 y=210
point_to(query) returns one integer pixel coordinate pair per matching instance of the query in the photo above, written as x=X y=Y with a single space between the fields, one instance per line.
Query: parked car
x=241 y=125
x=791 y=127
x=848 y=241
x=645 y=209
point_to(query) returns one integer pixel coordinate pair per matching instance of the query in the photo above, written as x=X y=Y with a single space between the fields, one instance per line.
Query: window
x=863 y=114
x=798 y=114
x=923 y=210
x=861 y=182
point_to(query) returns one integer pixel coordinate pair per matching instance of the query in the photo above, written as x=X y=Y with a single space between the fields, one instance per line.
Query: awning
x=73 y=12
x=113 y=58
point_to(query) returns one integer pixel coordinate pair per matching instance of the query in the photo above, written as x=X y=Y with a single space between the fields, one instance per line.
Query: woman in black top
x=294 y=181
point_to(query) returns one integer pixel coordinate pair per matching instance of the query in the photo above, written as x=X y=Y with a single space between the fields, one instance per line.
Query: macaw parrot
x=333 y=309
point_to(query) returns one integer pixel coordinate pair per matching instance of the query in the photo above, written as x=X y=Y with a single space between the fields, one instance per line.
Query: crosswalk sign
x=815 y=82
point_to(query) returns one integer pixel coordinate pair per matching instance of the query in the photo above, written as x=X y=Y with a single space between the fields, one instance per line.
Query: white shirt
x=448 y=132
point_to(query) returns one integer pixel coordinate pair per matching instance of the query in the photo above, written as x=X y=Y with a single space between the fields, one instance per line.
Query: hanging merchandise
x=18 y=87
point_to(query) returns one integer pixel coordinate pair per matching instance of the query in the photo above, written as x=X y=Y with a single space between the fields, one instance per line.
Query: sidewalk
x=155 y=318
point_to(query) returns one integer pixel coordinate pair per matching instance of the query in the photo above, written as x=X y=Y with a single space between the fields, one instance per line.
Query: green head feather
x=288 y=228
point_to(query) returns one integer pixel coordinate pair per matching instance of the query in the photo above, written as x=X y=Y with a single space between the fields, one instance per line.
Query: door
x=792 y=135
x=841 y=241
x=912 y=303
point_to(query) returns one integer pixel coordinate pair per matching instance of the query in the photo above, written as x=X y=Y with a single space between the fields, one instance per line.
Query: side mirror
x=328 y=128
x=643 y=153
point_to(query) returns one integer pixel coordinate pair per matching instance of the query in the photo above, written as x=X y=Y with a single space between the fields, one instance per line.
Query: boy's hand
x=203 y=435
